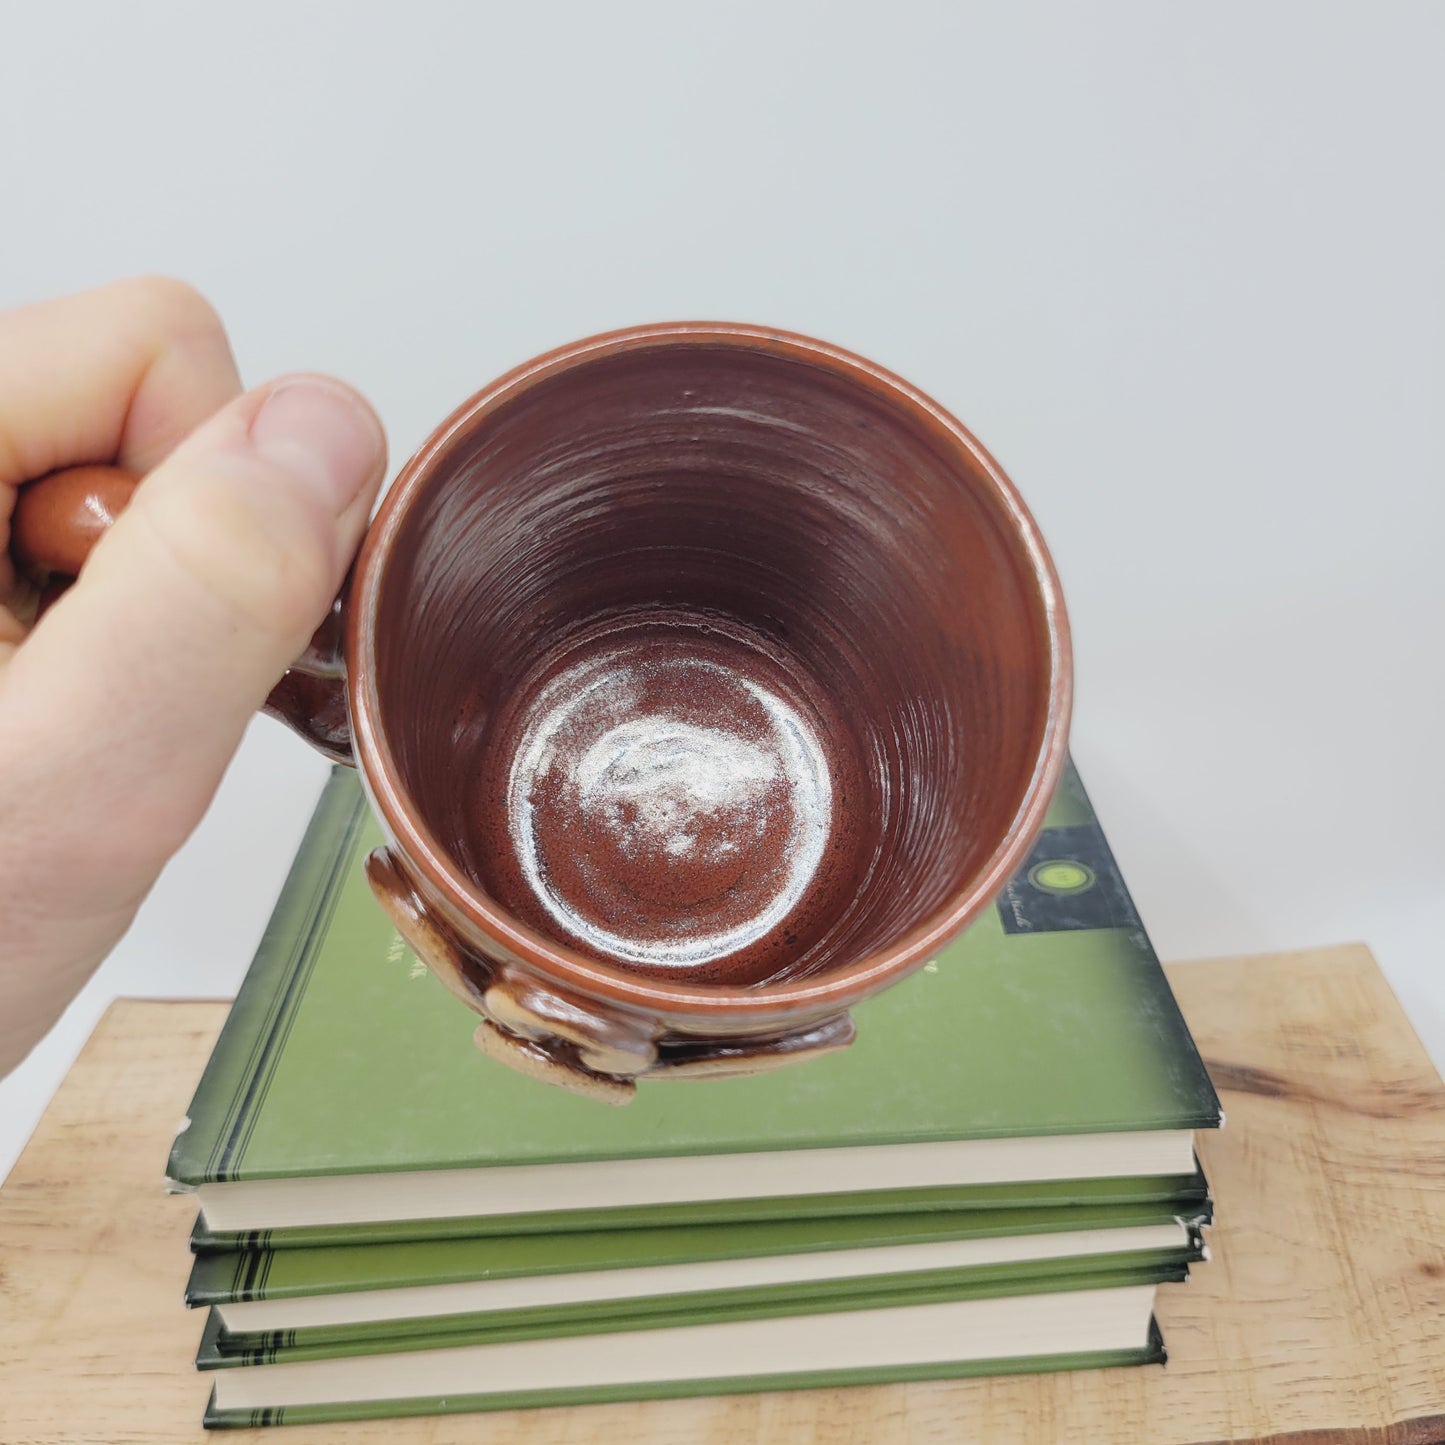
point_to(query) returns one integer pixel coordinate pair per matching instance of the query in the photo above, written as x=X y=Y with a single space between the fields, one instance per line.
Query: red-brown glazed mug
x=706 y=680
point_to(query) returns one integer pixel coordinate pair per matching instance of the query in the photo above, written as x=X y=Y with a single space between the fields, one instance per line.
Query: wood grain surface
x=1320 y=1319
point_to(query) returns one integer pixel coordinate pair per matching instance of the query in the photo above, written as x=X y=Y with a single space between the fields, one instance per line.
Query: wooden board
x=1320 y=1319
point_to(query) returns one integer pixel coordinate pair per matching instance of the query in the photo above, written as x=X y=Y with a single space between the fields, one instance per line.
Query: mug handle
x=60 y=517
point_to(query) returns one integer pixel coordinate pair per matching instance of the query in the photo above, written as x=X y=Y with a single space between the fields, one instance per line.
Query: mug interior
x=723 y=664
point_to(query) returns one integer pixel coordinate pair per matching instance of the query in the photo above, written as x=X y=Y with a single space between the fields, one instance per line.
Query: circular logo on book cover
x=1062 y=876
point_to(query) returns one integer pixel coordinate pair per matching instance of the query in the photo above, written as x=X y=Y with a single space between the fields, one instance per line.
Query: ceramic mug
x=706 y=679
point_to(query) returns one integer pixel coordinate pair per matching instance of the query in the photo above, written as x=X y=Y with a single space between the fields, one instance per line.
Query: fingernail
x=322 y=434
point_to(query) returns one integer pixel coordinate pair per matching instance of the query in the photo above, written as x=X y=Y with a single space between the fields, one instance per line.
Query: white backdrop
x=1182 y=269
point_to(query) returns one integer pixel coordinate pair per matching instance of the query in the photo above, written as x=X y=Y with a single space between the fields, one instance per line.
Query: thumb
x=120 y=711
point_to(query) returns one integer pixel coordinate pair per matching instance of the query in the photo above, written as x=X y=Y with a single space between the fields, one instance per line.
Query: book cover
x=343 y=1057
x=221 y=1348
x=242 y=1276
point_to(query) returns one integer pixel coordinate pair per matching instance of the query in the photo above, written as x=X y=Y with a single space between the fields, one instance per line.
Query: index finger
x=120 y=374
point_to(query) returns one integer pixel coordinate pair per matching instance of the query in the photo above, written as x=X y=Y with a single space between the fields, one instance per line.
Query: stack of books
x=996 y=1177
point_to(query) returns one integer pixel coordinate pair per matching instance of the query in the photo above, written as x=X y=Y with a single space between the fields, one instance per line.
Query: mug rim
x=570 y=967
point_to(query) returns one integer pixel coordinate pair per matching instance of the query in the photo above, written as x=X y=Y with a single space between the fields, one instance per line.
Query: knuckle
x=172 y=305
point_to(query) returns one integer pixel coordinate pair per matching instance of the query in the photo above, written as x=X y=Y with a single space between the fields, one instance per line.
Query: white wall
x=1182 y=268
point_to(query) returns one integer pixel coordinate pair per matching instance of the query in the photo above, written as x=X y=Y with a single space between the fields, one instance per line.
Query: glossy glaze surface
x=59 y=518
x=670 y=790
x=712 y=662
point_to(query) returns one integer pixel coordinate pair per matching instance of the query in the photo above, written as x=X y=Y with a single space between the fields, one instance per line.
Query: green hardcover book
x=268 y=1300
x=943 y=1331
x=1041 y=1048
x=1183 y=1194
x=221 y=1348
x=599 y=1257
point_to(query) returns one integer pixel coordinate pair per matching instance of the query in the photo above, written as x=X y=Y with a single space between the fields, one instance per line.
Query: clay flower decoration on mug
x=706 y=679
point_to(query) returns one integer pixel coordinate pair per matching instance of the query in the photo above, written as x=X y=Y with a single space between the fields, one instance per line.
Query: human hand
x=121 y=707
